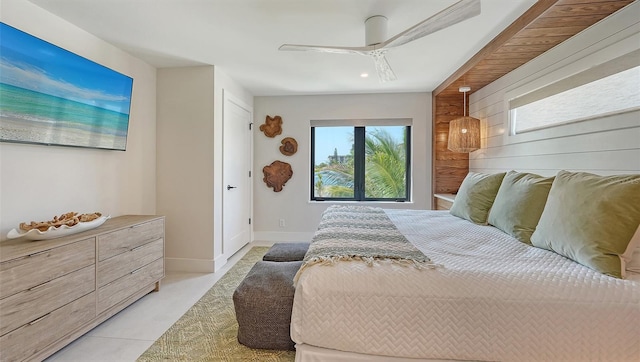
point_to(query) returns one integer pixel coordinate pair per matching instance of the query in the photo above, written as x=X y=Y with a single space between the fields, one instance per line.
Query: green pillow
x=519 y=204
x=591 y=219
x=476 y=195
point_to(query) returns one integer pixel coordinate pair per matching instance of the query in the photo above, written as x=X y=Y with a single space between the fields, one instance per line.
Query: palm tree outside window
x=362 y=163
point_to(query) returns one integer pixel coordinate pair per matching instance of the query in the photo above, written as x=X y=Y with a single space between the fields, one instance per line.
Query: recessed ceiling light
x=364 y=75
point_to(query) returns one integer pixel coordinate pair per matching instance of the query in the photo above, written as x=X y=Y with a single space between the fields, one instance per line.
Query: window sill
x=368 y=203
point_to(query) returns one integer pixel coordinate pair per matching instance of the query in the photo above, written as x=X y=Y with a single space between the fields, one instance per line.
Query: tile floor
x=125 y=336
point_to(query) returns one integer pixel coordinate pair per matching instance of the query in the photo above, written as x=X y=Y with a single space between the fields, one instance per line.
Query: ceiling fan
x=376 y=33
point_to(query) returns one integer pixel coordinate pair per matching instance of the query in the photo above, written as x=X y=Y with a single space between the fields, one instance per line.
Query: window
x=606 y=89
x=360 y=163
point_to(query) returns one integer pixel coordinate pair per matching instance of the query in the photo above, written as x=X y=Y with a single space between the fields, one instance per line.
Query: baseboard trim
x=211 y=266
x=219 y=262
x=281 y=237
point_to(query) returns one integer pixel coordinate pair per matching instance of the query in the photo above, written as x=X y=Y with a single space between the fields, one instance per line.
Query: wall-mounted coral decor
x=289 y=146
x=272 y=126
x=277 y=174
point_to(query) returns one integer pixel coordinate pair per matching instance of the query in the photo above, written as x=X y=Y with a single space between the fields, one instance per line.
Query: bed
x=484 y=296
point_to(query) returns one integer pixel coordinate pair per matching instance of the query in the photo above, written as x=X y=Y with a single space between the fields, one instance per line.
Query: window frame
x=577 y=69
x=359 y=160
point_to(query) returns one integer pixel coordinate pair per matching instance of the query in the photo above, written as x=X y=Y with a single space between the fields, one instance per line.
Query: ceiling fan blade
x=326 y=49
x=460 y=11
x=385 y=73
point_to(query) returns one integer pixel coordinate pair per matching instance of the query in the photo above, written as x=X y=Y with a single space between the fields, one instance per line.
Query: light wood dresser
x=53 y=291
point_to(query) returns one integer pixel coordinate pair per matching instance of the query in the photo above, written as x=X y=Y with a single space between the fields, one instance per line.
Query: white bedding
x=494 y=298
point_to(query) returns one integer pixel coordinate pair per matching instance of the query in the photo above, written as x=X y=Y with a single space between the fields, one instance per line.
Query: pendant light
x=464 y=132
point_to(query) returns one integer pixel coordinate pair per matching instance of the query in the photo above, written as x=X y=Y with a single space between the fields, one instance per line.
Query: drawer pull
x=137 y=270
x=39 y=319
x=38 y=253
x=136 y=248
x=38 y=286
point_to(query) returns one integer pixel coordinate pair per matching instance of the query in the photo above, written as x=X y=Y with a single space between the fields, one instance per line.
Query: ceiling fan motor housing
x=375 y=30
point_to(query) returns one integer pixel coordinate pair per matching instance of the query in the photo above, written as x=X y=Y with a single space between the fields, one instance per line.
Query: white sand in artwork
x=20 y=130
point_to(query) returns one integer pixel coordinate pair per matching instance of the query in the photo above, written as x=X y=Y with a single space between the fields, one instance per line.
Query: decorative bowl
x=56 y=232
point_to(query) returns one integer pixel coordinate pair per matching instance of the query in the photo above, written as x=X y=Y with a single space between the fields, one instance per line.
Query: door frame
x=228 y=96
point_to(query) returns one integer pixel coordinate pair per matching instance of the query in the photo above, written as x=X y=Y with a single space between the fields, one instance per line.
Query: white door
x=236 y=161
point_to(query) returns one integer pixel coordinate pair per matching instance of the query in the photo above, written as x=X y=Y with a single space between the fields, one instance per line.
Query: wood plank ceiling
x=546 y=24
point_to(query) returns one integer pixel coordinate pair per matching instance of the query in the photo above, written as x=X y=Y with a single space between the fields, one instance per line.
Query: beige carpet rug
x=208 y=331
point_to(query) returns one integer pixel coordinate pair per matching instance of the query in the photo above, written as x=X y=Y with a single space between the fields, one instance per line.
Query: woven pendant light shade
x=464 y=132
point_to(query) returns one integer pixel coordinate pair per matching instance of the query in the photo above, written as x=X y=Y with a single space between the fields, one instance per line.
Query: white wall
x=611 y=150
x=190 y=164
x=38 y=182
x=185 y=164
x=292 y=203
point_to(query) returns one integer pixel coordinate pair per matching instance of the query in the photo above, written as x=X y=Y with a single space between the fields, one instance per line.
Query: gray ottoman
x=286 y=252
x=263 y=302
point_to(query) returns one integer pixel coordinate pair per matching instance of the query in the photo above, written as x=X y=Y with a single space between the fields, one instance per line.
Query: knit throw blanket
x=363 y=234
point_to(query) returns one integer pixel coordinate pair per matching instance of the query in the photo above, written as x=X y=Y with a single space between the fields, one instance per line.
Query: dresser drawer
x=121 y=265
x=27 y=272
x=121 y=241
x=118 y=290
x=41 y=332
x=22 y=307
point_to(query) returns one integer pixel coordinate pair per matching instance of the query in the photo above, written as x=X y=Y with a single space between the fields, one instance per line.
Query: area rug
x=208 y=331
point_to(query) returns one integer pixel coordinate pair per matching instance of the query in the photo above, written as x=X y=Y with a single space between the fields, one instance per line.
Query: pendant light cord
x=464 y=94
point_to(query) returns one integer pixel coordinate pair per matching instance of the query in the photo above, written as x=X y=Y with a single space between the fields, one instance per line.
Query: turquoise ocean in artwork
x=30 y=106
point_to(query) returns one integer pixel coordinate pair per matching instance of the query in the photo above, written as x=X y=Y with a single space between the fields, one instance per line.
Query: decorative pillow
x=591 y=219
x=476 y=195
x=519 y=204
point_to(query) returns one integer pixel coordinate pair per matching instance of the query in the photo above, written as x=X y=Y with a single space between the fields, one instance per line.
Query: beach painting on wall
x=51 y=96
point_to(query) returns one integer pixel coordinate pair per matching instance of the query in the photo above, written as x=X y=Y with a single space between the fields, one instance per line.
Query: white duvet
x=493 y=299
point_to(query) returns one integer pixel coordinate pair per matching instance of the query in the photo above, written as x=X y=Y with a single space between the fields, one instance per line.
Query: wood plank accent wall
x=546 y=24
x=449 y=168
x=604 y=145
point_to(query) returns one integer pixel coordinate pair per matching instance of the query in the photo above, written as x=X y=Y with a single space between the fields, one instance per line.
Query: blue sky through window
x=327 y=139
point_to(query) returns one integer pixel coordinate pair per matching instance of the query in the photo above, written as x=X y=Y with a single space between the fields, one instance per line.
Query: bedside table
x=444 y=201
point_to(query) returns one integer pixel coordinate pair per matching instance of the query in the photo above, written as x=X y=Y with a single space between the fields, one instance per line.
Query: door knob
x=229 y=187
